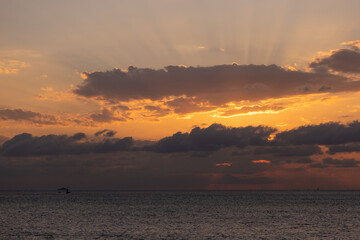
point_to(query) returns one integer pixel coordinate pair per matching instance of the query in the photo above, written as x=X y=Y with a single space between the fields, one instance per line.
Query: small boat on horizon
x=63 y=190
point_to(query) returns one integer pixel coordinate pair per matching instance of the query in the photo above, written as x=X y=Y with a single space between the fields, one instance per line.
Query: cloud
x=298 y=142
x=317 y=165
x=304 y=150
x=253 y=140
x=337 y=163
x=49 y=94
x=110 y=134
x=112 y=113
x=107 y=115
x=303 y=160
x=155 y=111
x=155 y=93
x=215 y=85
x=11 y=66
x=124 y=170
x=188 y=105
x=323 y=134
x=213 y=138
x=105 y=133
x=100 y=132
x=128 y=170
x=295 y=143
x=352 y=44
x=29 y=116
x=122 y=108
x=248 y=109
x=341 y=60
x=341 y=162
x=27 y=145
x=39 y=119
x=350 y=147
x=261 y=161
x=205 y=158
x=224 y=164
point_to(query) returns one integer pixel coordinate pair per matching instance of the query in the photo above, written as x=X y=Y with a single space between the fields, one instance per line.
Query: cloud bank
x=185 y=90
x=341 y=60
x=28 y=116
x=322 y=134
x=301 y=141
x=27 y=145
x=216 y=84
x=204 y=158
x=213 y=138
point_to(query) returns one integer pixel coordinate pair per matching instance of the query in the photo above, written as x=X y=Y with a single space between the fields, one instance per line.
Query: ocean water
x=181 y=215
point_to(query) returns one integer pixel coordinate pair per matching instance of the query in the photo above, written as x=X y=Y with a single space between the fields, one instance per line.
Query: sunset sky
x=133 y=95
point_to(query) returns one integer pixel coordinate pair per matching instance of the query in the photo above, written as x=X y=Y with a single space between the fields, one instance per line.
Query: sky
x=173 y=95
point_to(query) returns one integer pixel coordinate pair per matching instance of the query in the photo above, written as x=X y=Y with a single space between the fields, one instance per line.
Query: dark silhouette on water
x=63 y=190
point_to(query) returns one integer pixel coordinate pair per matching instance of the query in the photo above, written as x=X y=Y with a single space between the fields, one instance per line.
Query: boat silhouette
x=63 y=190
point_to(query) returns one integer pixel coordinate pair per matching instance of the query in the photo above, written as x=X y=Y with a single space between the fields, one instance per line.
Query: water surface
x=181 y=215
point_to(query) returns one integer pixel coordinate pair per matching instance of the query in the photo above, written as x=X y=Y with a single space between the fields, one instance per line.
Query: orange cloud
x=11 y=66
x=49 y=94
x=224 y=164
x=261 y=161
x=251 y=110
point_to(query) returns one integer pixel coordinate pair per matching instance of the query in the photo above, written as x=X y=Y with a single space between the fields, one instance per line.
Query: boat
x=63 y=190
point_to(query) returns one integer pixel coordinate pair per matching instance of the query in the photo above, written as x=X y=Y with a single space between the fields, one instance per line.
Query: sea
x=180 y=215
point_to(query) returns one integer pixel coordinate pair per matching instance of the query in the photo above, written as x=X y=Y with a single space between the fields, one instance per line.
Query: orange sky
x=147 y=70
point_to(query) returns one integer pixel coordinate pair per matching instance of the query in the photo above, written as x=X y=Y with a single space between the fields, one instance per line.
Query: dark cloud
x=110 y=134
x=303 y=160
x=105 y=133
x=349 y=162
x=156 y=111
x=337 y=163
x=188 y=105
x=342 y=60
x=122 y=108
x=350 y=147
x=213 y=138
x=304 y=150
x=100 y=132
x=131 y=170
x=179 y=106
x=152 y=108
x=201 y=159
x=27 y=145
x=317 y=165
x=106 y=115
x=322 y=134
x=240 y=153
x=215 y=85
x=29 y=116
x=299 y=142
x=324 y=89
x=78 y=136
